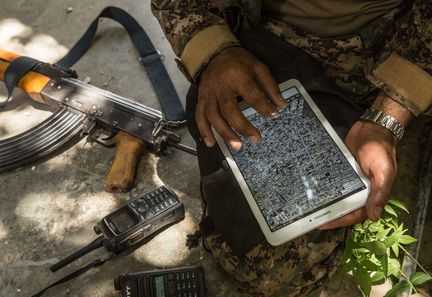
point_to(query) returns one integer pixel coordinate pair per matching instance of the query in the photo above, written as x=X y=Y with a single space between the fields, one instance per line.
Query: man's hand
x=233 y=73
x=374 y=148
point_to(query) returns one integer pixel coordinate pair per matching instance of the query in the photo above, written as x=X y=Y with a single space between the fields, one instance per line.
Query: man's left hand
x=374 y=148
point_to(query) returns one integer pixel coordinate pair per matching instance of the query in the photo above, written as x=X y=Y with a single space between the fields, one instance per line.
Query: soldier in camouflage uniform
x=359 y=63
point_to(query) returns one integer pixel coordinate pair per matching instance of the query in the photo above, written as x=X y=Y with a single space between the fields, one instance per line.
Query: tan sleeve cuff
x=405 y=82
x=204 y=45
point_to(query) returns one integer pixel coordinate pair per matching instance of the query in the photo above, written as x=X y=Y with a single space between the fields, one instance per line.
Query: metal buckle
x=153 y=57
x=161 y=124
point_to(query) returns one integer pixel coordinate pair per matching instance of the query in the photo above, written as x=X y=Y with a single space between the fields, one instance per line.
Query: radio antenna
x=95 y=244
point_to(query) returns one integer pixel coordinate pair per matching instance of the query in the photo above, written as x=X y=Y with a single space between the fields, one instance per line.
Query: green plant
x=372 y=253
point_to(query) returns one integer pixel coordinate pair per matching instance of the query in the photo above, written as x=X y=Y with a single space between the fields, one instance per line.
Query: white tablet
x=301 y=175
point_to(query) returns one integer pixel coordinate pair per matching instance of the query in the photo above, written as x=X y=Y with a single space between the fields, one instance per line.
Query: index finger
x=269 y=85
x=250 y=92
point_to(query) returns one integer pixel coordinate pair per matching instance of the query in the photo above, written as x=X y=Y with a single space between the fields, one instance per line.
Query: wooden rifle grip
x=122 y=173
x=32 y=83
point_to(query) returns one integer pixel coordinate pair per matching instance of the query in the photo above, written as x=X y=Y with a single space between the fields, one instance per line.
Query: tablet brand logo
x=323 y=214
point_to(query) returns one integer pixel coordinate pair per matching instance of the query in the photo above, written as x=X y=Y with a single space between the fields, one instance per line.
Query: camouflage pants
x=297 y=268
x=301 y=266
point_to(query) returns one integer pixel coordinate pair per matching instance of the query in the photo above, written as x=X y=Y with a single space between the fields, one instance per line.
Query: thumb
x=381 y=175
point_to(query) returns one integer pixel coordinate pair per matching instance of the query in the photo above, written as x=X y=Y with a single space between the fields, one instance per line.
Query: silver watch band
x=384 y=120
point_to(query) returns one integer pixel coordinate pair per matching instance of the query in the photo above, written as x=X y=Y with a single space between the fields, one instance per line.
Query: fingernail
x=274 y=115
x=235 y=145
x=377 y=212
x=207 y=141
x=254 y=139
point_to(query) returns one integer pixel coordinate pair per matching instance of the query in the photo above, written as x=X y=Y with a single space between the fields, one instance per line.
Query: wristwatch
x=384 y=120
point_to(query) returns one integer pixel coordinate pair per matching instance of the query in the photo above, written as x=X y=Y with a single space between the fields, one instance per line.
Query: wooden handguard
x=129 y=148
x=32 y=83
x=122 y=173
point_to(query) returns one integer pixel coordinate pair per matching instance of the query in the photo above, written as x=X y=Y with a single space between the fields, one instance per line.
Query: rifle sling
x=149 y=57
x=15 y=71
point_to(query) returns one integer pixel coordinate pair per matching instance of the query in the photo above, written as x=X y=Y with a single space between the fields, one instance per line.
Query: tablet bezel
x=316 y=218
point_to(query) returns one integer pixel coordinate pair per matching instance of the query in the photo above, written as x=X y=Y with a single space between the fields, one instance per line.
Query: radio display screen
x=122 y=220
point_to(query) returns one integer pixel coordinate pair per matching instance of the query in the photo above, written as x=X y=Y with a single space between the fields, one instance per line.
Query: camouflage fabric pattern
x=301 y=266
x=182 y=19
x=349 y=60
x=297 y=268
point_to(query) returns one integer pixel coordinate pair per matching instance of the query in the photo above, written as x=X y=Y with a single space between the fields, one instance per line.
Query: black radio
x=132 y=223
x=139 y=219
x=175 y=282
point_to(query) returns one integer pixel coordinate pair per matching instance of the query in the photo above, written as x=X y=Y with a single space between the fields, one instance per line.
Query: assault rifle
x=87 y=110
x=83 y=109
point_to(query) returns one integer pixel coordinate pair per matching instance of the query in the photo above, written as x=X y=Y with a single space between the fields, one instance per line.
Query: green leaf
x=379 y=275
x=420 y=278
x=363 y=279
x=394 y=238
x=366 y=224
x=393 y=267
x=390 y=210
x=400 y=287
x=375 y=227
x=359 y=252
x=375 y=260
x=358 y=227
x=369 y=265
x=384 y=264
x=346 y=267
x=398 y=204
x=376 y=247
x=382 y=233
x=406 y=239
x=395 y=249
x=349 y=246
x=394 y=222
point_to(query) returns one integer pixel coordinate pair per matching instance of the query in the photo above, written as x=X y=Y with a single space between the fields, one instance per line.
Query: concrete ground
x=48 y=210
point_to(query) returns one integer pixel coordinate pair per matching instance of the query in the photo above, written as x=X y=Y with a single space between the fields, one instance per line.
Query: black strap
x=148 y=56
x=74 y=274
x=15 y=71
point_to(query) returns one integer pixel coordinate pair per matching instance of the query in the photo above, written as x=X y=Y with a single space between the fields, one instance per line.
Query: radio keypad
x=187 y=282
x=182 y=284
x=154 y=203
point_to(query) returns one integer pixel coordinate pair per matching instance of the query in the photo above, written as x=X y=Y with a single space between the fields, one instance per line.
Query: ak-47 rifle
x=83 y=109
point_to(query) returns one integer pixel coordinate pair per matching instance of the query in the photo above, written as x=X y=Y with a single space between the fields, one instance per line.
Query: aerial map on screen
x=296 y=168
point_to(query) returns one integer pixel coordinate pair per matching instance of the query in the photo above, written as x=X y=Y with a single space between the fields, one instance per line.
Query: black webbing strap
x=74 y=274
x=148 y=56
x=15 y=71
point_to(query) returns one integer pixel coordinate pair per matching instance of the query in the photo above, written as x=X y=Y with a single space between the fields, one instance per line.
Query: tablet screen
x=297 y=168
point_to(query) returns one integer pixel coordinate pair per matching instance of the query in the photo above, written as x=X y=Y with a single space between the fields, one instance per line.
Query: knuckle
x=211 y=114
x=232 y=70
x=262 y=67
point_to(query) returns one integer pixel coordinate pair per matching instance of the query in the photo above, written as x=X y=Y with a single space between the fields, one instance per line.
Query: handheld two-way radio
x=128 y=227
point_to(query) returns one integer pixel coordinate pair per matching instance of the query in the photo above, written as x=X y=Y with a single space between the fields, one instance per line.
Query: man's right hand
x=232 y=73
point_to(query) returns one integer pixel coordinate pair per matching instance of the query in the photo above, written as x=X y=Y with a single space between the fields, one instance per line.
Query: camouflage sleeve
x=194 y=31
x=404 y=68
